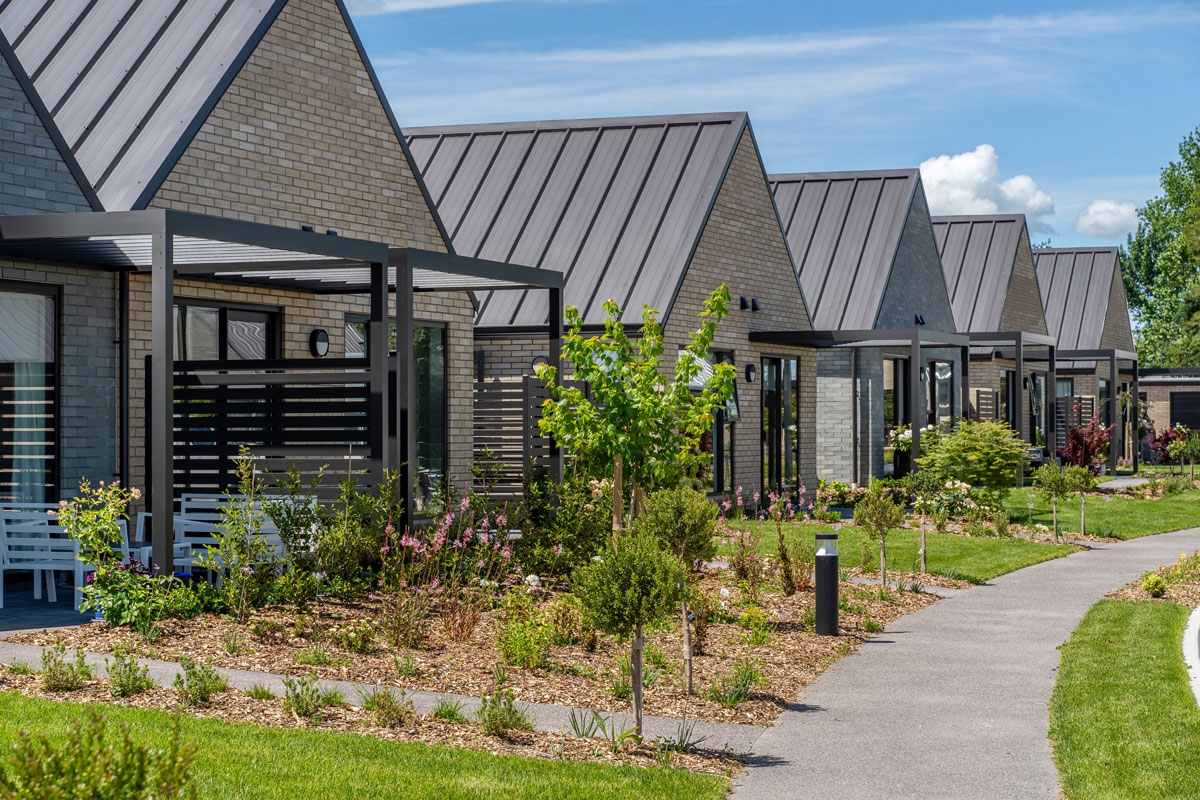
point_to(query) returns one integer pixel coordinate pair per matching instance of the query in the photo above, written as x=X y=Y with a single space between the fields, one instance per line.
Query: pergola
x=1112 y=355
x=166 y=243
x=913 y=338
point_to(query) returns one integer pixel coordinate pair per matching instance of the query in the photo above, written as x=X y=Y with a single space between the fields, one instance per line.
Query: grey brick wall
x=34 y=179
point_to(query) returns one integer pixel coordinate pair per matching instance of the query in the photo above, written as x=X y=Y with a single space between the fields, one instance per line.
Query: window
x=1008 y=406
x=28 y=393
x=895 y=407
x=208 y=331
x=1037 y=407
x=719 y=441
x=780 y=423
x=1105 y=396
x=1064 y=387
x=941 y=391
x=429 y=415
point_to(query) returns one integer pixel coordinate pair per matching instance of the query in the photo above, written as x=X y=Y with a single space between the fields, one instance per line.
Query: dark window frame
x=764 y=427
x=54 y=291
x=274 y=329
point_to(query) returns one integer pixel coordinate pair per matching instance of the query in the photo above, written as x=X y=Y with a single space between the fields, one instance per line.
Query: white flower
x=534 y=581
x=724 y=593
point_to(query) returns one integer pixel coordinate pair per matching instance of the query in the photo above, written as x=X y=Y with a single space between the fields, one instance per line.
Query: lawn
x=1123 y=720
x=1122 y=517
x=237 y=760
x=960 y=557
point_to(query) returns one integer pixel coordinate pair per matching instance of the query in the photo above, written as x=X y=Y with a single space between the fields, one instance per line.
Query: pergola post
x=1052 y=412
x=405 y=431
x=377 y=353
x=916 y=409
x=1111 y=409
x=1135 y=421
x=162 y=398
x=1019 y=407
x=556 y=332
x=965 y=383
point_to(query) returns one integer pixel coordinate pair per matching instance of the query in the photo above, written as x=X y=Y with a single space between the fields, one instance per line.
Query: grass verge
x=1121 y=517
x=1123 y=720
x=960 y=557
x=238 y=760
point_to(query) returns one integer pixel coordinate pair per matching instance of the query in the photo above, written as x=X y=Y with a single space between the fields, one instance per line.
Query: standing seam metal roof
x=616 y=204
x=1075 y=285
x=844 y=229
x=128 y=81
x=978 y=255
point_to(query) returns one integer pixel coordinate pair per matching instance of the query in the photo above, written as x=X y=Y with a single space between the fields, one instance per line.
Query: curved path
x=950 y=702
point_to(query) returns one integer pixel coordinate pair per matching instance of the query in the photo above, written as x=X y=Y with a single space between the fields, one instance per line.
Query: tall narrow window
x=429 y=363
x=780 y=423
x=719 y=442
x=28 y=393
x=941 y=391
x=1105 y=396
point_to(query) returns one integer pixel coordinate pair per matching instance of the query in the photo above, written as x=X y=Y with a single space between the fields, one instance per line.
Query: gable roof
x=844 y=229
x=609 y=202
x=978 y=254
x=127 y=83
x=1076 y=284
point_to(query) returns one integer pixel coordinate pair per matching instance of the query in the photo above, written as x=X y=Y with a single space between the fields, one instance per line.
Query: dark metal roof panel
x=125 y=82
x=615 y=204
x=843 y=229
x=1075 y=286
x=978 y=254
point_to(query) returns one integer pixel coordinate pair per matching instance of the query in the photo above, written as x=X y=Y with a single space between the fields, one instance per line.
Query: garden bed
x=786 y=660
x=1180 y=584
x=237 y=706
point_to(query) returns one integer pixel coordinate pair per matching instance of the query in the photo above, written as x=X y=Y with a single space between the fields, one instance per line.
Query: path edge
x=1191 y=651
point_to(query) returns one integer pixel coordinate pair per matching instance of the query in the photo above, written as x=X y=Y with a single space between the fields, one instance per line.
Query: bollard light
x=827 y=584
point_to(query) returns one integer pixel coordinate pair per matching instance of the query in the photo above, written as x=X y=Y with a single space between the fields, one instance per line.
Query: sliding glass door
x=780 y=423
x=28 y=393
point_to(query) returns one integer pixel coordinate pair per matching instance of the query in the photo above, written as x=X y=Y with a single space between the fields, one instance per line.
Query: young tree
x=924 y=485
x=878 y=513
x=635 y=582
x=1086 y=446
x=1054 y=482
x=685 y=522
x=1082 y=480
x=635 y=420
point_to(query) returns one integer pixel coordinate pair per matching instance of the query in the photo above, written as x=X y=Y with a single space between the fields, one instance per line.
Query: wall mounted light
x=920 y=319
x=318 y=343
x=751 y=373
x=743 y=303
x=754 y=306
x=538 y=361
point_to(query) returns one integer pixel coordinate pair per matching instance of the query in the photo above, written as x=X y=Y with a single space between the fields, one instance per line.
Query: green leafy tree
x=636 y=582
x=878 y=513
x=984 y=454
x=924 y=486
x=1161 y=265
x=1054 y=482
x=636 y=419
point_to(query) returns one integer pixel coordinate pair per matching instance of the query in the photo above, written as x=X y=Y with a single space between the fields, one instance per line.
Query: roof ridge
x=585 y=122
x=794 y=177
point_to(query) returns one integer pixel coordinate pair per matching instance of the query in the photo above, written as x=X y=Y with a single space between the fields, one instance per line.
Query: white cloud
x=967 y=183
x=1107 y=219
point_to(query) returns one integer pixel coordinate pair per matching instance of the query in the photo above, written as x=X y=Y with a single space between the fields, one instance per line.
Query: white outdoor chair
x=33 y=540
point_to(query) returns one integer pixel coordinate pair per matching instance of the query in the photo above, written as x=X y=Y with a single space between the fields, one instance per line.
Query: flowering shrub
x=782 y=511
x=901 y=438
x=93 y=518
x=563 y=525
x=745 y=562
x=1086 y=446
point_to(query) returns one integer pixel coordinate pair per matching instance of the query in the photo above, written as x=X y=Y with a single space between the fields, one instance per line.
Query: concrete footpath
x=951 y=701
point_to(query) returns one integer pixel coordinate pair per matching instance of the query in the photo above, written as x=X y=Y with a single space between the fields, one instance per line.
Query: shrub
x=982 y=454
x=1002 y=523
x=703 y=607
x=757 y=626
x=563 y=525
x=405 y=667
x=198 y=682
x=302 y=697
x=389 y=709
x=449 y=710
x=522 y=637
x=61 y=675
x=86 y=761
x=1054 y=482
x=1086 y=446
x=357 y=637
x=734 y=688
x=498 y=714
x=635 y=582
x=126 y=677
x=1154 y=585
x=685 y=521
x=404 y=617
x=564 y=618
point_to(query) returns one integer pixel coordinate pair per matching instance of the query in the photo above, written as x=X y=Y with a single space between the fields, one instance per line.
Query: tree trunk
x=883 y=560
x=1054 y=512
x=687 y=649
x=618 y=503
x=923 y=564
x=636 y=677
x=639 y=500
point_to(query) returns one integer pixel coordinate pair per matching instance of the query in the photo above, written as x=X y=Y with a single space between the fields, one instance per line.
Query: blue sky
x=1065 y=111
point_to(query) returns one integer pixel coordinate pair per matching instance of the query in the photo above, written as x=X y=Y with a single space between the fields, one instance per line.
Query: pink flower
x=501 y=521
x=558 y=549
x=389 y=530
x=507 y=553
x=463 y=504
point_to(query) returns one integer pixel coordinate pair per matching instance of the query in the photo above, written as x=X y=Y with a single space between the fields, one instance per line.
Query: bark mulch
x=235 y=706
x=787 y=663
x=910 y=578
x=1184 y=590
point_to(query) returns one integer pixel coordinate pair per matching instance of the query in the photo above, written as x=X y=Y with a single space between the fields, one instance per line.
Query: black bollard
x=827 y=584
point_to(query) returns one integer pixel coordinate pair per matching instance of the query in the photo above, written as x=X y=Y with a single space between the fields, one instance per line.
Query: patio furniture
x=198 y=519
x=31 y=539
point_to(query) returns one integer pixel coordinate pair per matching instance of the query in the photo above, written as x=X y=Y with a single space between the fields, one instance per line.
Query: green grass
x=1123 y=720
x=970 y=559
x=237 y=760
x=1122 y=517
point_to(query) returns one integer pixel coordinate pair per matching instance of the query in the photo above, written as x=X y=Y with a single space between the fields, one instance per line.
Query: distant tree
x=1161 y=265
x=1044 y=243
